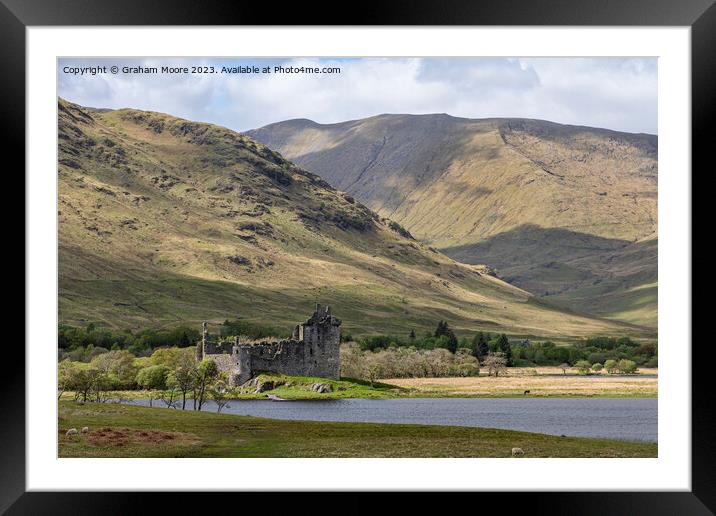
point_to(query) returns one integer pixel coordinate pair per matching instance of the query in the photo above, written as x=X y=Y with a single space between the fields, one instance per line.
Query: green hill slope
x=164 y=220
x=473 y=187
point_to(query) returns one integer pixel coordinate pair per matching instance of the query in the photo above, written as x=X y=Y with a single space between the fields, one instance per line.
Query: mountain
x=567 y=212
x=163 y=220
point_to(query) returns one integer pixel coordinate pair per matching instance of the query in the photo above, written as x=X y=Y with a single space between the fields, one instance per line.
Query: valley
x=566 y=212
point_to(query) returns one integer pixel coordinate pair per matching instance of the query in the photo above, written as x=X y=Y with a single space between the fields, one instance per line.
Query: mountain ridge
x=165 y=220
x=456 y=182
x=314 y=123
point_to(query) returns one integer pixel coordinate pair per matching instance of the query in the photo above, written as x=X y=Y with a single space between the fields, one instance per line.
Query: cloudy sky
x=614 y=93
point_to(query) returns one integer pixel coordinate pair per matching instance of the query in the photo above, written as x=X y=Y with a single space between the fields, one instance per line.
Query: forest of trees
x=171 y=375
x=82 y=344
x=521 y=353
x=94 y=362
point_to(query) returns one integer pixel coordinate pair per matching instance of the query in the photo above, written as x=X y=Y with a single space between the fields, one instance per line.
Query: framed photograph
x=423 y=249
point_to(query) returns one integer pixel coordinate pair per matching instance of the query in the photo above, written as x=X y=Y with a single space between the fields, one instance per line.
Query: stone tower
x=322 y=336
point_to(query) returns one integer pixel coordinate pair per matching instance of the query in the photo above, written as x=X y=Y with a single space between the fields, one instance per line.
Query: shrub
x=406 y=362
x=171 y=357
x=610 y=366
x=583 y=366
x=627 y=366
x=495 y=363
x=118 y=366
x=597 y=367
x=596 y=357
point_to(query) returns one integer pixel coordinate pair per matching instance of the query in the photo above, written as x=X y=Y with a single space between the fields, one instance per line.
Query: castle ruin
x=312 y=350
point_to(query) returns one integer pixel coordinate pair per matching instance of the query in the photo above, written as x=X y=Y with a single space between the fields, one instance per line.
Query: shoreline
x=544 y=385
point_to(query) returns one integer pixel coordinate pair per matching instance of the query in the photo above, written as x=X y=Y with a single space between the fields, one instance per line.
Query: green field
x=294 y=388
x=130 y=431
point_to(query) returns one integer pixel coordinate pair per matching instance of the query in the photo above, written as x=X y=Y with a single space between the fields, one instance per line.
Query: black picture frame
x=700 y=15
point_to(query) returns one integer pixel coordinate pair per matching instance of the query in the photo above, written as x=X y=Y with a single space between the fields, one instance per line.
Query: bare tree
x=169 y=395
x=373 y=367
x=495 y=363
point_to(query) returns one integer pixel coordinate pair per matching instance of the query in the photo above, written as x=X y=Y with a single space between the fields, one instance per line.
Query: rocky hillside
x=547 y=205
x=165 y=220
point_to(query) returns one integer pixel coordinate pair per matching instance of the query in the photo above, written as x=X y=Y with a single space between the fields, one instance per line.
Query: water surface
x=633 y=419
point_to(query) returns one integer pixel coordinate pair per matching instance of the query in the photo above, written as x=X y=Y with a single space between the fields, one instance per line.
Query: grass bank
x=131 y=431
x=540 y=382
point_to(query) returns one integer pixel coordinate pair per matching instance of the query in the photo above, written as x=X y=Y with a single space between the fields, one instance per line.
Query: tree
x=118 y=366
x=479 y=346
x=85 y=381
x=452 y=342
x=611 y=366
x=101 y=384
x=495 y=363
x=169 y=395
x=170 y=357
x=503 y=345
x=647 y=349
x=182 y=377
x=593 y=358
x=597 y=367
x=219 y=392
x=153 y=377
x=66 y=373
x=443 y=330
x=351 y=361
x=583 y=366
x=204 y=374
x=627 y=366
x=465 y=363
x=373 y=367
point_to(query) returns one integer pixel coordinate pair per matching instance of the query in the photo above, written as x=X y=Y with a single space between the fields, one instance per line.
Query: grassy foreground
x=132 y=431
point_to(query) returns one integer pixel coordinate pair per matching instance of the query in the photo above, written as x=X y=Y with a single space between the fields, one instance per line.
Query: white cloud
x=615 y=93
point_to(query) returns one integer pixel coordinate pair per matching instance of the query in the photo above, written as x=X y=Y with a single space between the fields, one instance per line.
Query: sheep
x=85 y=429
x=517 y=451
x=71 y=432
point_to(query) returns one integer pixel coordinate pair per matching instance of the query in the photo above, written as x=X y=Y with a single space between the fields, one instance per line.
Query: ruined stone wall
x=287 y=357
x=313 y=350
x=227 y=363
x=217 y=348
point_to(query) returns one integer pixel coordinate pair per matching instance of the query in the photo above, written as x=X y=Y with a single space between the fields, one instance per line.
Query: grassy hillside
x=620 y=274
x=163 y=220
x=504 y=192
